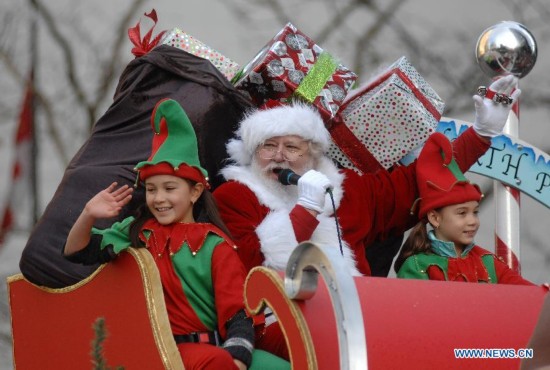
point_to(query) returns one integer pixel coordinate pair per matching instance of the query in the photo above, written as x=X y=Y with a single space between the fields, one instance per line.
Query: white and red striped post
x=507 y=208
x=502 y=49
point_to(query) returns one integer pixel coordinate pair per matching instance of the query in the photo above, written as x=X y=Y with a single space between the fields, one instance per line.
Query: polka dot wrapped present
x=292 y=66
x=382 y=121
x=184 y=41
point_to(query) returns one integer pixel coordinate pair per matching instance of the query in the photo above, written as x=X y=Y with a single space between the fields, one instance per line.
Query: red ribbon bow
x=143 y=46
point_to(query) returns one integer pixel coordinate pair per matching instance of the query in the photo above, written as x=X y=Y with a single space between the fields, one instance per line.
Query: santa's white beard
x=288 y=193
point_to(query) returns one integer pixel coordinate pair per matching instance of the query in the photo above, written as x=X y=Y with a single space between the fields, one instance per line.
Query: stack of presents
x=373 y=127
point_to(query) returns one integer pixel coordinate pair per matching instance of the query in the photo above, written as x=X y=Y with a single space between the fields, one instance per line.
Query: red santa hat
x=277 y=120
x=174 y=147
x=439 y=179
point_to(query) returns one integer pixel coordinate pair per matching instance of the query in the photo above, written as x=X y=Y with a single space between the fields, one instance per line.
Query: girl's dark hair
x=417 y=242
x=205 y=210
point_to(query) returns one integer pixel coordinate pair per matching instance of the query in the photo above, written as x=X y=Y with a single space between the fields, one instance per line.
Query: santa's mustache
x=276 y=167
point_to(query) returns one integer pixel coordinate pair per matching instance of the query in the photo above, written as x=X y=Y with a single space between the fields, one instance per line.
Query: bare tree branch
x=382 y=20
x=11 y=66
x=43 y=103
x=110 y=69
x=67 y=51
x=278 y=10
x=337 y=20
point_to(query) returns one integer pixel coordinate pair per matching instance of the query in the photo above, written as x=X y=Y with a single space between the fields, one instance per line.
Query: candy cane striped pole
x=507 y=208
x=507 y=48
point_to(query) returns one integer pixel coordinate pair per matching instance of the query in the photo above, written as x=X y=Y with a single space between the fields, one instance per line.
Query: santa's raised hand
x=493 y=108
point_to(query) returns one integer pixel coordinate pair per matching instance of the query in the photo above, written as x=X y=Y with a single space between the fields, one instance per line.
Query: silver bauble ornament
x=506 y=48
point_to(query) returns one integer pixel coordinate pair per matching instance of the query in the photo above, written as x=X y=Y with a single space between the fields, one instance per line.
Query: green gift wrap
x=292 y=66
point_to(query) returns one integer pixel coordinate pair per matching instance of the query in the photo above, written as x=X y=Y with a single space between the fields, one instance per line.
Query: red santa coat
x=267 y=225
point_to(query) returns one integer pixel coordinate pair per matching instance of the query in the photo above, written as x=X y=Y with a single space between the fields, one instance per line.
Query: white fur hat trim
x=297 y=119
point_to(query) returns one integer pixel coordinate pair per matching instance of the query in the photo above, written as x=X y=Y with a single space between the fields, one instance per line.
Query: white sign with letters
x=509 y=160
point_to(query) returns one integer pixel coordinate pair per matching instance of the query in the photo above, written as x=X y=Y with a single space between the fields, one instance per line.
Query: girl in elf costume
x=201 y=273
x=450 y=204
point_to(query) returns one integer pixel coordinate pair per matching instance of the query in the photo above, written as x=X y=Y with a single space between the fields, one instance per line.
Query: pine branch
x=97 y=344
x=98 y=359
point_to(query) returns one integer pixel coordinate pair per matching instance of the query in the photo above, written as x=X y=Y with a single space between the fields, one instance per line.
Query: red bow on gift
x=143 y=46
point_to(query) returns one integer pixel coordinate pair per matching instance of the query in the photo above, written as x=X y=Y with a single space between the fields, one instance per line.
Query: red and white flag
x=19 y=187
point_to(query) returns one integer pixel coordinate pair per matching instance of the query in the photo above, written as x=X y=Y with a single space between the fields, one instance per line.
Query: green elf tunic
x=201 y=273
x=474 y=265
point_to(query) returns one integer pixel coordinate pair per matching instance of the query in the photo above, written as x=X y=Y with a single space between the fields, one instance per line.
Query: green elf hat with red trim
x=174 y=150
x=440 y=181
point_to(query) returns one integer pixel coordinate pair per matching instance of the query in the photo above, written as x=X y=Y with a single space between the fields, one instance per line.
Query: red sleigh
x=332 y=322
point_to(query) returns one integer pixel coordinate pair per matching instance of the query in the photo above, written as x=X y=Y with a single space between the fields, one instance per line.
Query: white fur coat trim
x=278 y=241
x=285 y=200
x=276 y=233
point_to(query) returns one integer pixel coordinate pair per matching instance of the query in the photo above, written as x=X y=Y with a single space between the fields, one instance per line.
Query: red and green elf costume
x=474 y=265
x=201 y=273
x=441 y=183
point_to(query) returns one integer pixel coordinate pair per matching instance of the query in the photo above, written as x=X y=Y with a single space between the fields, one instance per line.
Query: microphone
x=288 y=177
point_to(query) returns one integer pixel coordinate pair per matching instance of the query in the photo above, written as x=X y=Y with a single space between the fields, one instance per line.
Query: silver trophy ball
x=506 y=48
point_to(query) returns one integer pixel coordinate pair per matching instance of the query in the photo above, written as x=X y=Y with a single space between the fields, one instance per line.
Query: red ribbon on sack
x=143 y=46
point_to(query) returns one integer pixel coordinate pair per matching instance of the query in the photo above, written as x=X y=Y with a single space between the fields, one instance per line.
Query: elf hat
x=439 y=179
x=174 y=150
x=277 y=120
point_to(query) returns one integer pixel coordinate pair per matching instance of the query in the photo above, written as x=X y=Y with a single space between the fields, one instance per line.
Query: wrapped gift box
x=291 y=66
x=182 y=40
x=384 y=120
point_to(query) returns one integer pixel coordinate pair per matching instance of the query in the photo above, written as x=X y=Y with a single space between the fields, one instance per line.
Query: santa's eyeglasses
x=289 y=152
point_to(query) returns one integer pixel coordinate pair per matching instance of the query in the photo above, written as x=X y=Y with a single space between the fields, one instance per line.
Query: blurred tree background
x=81 y=48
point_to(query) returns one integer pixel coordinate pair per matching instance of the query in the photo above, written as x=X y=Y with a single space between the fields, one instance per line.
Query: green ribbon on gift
x=316 y=79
